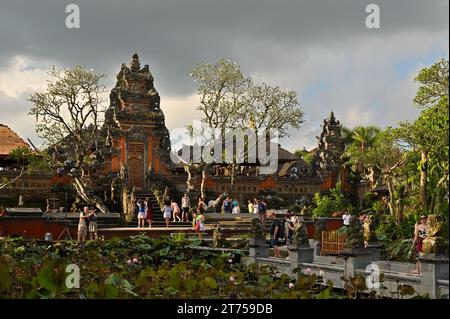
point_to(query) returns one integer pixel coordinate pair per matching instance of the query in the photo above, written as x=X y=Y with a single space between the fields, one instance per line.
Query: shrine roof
x=9 y=140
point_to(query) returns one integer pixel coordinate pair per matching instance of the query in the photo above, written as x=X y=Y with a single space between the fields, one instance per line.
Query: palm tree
x=347 y=135
x=365 y=136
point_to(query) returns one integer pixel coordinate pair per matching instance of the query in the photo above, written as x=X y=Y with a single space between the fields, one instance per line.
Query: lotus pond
x=142 y=267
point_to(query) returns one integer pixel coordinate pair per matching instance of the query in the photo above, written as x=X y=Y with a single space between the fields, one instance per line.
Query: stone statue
x=21 y=201
x=434 y=243
x=217 y=236
x=355 y=234
x=366 y=231
x=300 y=235
x=123 y=174
x=257 y=229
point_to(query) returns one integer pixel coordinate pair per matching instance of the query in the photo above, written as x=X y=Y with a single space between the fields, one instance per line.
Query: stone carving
x=257 y=229
x=136 y=134
x=123 y=174
x=217 y=236
x=355 y=234
x=331 y=146
x=300 y=235
x=434 y=243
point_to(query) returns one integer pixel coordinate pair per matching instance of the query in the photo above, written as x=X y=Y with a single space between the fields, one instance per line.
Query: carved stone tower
x=330 y=148
x=137 y=134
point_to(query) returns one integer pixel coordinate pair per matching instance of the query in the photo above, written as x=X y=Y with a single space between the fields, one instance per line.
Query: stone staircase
x=158 y=219
x=143 y=195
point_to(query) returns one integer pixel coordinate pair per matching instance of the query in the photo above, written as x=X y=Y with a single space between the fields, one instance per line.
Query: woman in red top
x=149 y=213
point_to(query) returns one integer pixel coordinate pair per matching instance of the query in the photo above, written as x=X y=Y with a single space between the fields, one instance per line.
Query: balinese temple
x=137 y=134
x=137 y=148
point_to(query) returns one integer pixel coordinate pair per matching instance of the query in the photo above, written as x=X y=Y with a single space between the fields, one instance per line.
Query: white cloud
x=180 y=111
x=21 y=76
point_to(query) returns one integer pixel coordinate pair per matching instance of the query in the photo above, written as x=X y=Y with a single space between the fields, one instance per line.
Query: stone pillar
x=300 y=254
x=433 y=268
x=356 y=259
x=258 y=248
x=374 y=248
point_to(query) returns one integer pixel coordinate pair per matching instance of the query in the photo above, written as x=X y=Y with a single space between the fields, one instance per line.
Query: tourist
x=362 y=217
x=167 y=213
x=141 y=213
x=255 y=206
x=227 y=205
x=200 y=224
x=185 y=205
x=262 y=209
x=420 y=233
x=176 y=211
x=93 y=224
x=250 y=207
x=235 y=207
x=275 y=228
x=82 y=229
x=288 y=227
x=201 y=204
x=148 y=213
x=346 y=218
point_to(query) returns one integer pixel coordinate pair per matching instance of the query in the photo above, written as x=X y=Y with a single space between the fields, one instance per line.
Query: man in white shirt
x=346 y=218
x=185 y=205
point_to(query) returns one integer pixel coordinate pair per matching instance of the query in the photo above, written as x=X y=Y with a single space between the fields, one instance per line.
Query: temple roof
x=285 y=155
x=9 y=140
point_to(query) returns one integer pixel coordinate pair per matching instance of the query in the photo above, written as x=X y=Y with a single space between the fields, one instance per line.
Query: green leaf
x=113 y=279
x=210 y=282
x=92 y=290
x=46 y=278
x=163 y=252
x=170 y=291
x=189 y=285
x=111 y=292
x=5 y=278
x=264 y=280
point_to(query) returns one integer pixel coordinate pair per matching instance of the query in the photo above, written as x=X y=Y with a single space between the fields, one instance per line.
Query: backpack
x=280 y=233
x=261 y=207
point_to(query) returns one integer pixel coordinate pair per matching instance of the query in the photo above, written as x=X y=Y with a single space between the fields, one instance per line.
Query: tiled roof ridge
x=9 y=140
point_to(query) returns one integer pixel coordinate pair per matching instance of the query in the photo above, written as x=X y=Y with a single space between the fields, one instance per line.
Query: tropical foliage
x=333 y=202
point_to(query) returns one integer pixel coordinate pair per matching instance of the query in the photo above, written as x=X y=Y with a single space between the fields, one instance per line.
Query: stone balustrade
x=433 y=280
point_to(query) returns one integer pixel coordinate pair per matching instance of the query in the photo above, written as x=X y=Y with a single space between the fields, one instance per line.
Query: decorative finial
x=135 y=64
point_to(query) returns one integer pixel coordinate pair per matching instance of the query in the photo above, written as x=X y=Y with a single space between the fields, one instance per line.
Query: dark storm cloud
x=319 y=48
x=173 y=35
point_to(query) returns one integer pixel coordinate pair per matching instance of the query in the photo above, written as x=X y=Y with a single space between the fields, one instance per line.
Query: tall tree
x=428 y=135
x=359 y=140
x=69 y=114
x=365 y=136
x=383 y=163
x=230 y=100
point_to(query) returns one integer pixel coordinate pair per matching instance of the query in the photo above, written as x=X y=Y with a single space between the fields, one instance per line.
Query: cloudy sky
x=321 y=49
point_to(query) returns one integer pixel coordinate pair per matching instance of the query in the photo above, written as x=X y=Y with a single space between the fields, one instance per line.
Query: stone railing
x=433 y=280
